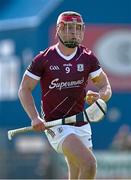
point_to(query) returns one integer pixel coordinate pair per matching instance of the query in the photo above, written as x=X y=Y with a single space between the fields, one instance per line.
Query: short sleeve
x=95 y=66
x=36 y=68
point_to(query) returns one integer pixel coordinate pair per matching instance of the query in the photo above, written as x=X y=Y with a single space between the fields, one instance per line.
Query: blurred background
x=27 y=27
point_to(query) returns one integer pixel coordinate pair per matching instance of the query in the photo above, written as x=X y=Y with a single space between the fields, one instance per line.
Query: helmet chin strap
x=69 y=44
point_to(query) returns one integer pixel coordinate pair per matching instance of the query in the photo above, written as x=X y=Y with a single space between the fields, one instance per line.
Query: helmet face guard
x=70 y=29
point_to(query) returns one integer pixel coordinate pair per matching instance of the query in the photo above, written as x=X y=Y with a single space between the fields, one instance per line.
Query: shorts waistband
x=78 y=119
x=81 y=117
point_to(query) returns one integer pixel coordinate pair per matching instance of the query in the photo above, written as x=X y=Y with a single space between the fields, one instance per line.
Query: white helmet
x=70 y=28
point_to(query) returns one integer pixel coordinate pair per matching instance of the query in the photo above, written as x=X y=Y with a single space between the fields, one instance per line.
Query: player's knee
x=88 y=165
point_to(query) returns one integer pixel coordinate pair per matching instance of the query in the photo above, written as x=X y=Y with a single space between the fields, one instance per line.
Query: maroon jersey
x=63 y=82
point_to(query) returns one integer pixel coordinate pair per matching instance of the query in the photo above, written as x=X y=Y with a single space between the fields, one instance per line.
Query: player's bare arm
x=104 y=89
x=25 y=95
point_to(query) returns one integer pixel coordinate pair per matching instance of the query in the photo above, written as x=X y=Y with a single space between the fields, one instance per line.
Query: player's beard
x=69 y=43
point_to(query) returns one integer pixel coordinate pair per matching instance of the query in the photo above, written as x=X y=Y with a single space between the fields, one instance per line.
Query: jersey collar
x=63 y=56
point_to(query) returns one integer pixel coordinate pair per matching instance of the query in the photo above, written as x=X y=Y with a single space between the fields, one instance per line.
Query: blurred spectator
x=122 y=139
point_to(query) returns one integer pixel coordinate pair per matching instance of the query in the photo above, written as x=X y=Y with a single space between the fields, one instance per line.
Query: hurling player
x=63 y=71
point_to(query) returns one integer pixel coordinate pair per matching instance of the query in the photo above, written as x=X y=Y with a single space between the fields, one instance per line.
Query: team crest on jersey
x=80 y=67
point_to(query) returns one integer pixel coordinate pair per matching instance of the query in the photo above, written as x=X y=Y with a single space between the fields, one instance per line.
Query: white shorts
x=57 y=134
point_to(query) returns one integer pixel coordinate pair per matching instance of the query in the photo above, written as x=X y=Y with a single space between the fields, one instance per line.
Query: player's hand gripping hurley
x=93 y=113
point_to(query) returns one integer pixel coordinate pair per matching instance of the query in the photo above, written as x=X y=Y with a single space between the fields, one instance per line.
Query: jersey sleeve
x=35 y=70
x=95 y=67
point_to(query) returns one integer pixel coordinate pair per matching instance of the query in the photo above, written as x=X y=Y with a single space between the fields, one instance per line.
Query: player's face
x=71 y=33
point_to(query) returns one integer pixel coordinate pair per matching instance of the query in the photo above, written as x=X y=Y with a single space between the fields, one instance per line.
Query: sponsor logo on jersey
x=80 y=67
x=54 y=68
x=55 y=83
